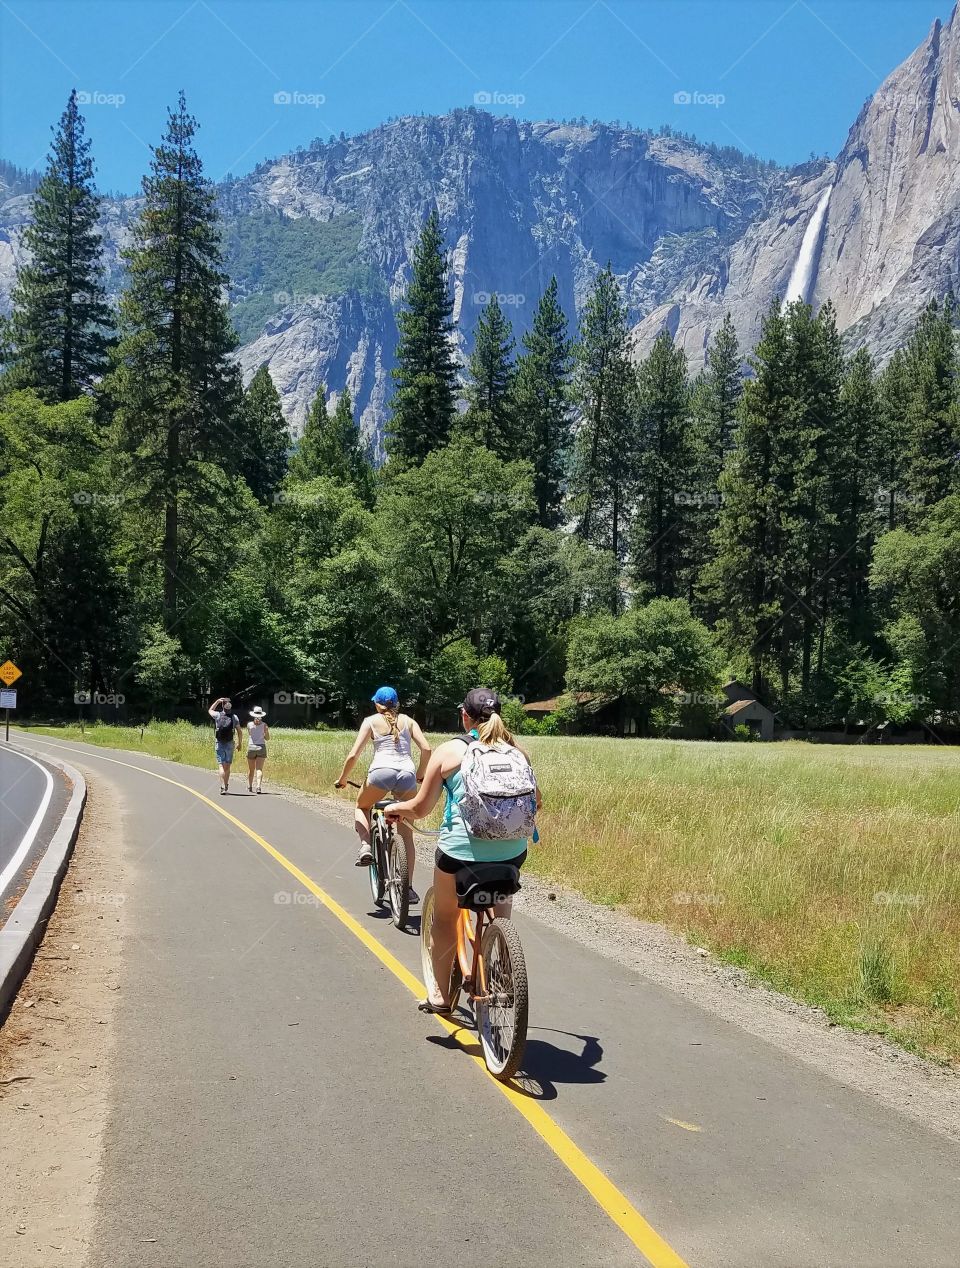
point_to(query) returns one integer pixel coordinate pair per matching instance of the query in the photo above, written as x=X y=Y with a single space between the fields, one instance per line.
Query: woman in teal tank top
x=480 y=712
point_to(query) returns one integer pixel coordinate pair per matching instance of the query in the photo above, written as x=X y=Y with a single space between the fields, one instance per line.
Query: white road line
x=23 y=849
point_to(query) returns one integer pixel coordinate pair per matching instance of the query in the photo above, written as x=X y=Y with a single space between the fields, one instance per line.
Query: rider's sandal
x=364 y=860
x=441 y=1010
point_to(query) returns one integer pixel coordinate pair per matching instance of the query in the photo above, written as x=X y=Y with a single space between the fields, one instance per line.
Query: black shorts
x=447 y=863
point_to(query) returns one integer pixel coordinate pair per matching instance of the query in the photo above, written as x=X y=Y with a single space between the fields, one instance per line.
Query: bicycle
x=488 y=965
x=388 y=872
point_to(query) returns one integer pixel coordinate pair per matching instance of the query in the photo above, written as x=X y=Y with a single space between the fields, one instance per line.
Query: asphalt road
x=32 y=800
x=279 y=1101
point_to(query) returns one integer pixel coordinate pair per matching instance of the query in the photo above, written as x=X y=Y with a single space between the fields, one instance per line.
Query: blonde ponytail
x=493 y=731
x=390 y=717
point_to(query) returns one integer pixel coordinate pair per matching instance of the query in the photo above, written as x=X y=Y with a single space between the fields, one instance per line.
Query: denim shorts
x=224 y=751
x=390 y=780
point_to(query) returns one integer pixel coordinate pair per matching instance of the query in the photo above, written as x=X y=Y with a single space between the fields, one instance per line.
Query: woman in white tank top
x=257 y=735
x=392 y=772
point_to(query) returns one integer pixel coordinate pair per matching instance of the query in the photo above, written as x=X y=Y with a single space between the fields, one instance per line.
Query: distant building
x=746 y=710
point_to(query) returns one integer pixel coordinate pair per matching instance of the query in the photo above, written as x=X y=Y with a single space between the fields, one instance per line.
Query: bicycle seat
x=482 y=885
x=387 y=801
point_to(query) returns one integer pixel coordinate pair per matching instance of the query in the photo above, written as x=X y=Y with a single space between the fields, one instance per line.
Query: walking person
x=392 y=771
x=257 y=735
x=226 y=727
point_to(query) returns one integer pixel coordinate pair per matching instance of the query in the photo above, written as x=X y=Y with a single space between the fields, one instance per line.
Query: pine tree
x=306 y=462
x=933 y=412
x=489 y=417
x=332 y=446
x=855 y=496
x=715 y=396
x=743 y=573
x=667 y=472
x=777 y=529
x=604 y=391
x=424 y=404
x=894 y=395
x=722 y=386
x=263 y=462
x=58 y=339
x=541 y=395
x=175 y=390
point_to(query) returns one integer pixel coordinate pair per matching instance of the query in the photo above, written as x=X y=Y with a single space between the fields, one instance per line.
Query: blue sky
x=779 y=77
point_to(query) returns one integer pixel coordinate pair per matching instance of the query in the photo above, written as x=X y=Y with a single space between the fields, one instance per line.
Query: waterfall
x=804 y=272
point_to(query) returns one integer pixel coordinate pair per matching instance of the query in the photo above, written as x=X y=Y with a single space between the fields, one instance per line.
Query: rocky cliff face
x=891 y=239
x=692 y=233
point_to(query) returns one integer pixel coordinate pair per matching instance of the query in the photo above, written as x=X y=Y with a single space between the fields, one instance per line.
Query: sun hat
x=257 y=712
x=480 y=702
x=386 y=696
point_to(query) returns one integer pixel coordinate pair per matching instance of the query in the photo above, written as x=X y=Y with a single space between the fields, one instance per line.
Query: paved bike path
x=279 y=1101
x=32 y=802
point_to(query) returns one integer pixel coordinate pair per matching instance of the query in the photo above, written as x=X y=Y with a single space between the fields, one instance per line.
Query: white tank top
x=256 y=732
x=394 y=754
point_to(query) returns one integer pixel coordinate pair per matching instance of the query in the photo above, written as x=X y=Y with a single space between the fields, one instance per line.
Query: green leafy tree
x=65 y=607
x=331 y=589
x=445 y=532
x=541 y=394
x=916 y=577
x=58 y=337
x=604 y=390
x=424 y=405
x=174 y=389
x=490 y=418
x=653 y=659
x=263 y=462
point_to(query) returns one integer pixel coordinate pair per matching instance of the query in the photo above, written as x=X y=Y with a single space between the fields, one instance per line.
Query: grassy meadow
x=832 y=872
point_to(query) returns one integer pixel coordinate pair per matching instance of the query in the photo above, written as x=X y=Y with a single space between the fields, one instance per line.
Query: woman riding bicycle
x=392 y=772
x=480 y=713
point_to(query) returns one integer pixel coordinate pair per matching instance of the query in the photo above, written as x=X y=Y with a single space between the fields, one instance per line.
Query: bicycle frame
x=468 y=949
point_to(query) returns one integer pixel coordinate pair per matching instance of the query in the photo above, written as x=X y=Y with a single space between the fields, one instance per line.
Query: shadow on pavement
x=544 y=1063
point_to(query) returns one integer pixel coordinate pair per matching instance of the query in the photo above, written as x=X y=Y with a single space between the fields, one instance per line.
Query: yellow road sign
x=9 y=673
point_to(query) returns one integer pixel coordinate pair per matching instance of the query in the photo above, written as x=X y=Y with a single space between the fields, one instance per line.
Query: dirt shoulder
x=55 y=1049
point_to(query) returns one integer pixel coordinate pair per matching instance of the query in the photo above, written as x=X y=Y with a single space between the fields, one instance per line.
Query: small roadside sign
x=8 y=699
x=9 y=673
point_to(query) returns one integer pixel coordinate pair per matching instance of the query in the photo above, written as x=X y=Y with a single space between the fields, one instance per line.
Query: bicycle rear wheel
x=502 y=1000
x=398 y=880
x=376 y=870
x=426 y=959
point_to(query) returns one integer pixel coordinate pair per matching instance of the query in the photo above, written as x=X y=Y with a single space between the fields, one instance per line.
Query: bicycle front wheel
x=426 y=957
x=376 y=870
x=502 y=1000
x=399 y=881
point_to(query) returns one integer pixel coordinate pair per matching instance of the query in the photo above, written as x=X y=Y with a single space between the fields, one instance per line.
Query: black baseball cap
x=480 y=702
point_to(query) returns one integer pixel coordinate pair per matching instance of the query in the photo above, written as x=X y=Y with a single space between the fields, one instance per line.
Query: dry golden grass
x=832 y=872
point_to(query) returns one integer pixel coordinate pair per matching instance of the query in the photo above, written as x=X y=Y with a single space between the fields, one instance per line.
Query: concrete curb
x=21 y=934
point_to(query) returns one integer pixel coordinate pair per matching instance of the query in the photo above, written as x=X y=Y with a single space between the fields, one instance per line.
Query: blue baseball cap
x=386 y=696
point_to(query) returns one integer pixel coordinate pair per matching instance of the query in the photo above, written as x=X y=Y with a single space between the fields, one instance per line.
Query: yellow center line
x=616 y=1205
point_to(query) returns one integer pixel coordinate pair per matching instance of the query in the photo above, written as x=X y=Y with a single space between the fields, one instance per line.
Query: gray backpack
x=498 y=801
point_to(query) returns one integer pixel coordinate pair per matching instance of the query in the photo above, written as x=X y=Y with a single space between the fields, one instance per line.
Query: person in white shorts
x=392 y=771
x=257 y=735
